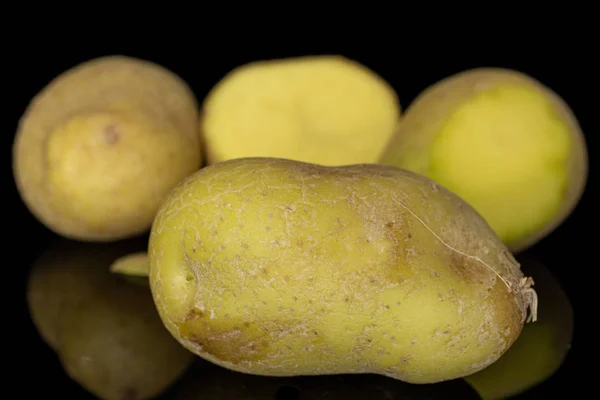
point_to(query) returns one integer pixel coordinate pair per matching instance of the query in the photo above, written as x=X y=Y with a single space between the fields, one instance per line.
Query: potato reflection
x=105 y=330
x=205 y=381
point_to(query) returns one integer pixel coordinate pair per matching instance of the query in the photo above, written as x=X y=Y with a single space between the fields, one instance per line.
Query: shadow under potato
x=210 y=382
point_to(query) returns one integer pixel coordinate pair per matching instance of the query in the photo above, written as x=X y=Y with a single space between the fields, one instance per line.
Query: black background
x=565 y=68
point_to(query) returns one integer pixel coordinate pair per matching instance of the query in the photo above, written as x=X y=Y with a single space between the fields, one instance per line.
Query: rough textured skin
x=100 y=146
x=541 y=348
x=105 y=330
x=323 y=109
x=216 y=383
x=424 y=118
x=277 y=267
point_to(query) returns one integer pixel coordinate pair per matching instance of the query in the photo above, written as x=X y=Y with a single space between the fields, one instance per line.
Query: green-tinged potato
x=504 y=142
x=105 y=330
x=220 y=384
x=278 y=267
x=540 y=349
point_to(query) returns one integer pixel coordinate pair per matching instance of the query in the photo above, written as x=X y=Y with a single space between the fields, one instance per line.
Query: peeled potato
x=323 y=109
x=99 y=147
x=504 y=142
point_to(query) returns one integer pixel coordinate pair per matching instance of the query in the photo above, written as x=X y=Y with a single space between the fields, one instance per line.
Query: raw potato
x=277 y=267
x=134 y=264
x=99 y=147
x=220 y=384
x=105 y=330
x=502 y=141
x=323 y=109
x=540 y=349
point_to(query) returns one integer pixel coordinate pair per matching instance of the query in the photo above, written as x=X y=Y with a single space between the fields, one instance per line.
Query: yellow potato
x=540 y=349
x=277 y=267
x=505 y=143
x=324 y=109
x=105 y=330
x=100 y=146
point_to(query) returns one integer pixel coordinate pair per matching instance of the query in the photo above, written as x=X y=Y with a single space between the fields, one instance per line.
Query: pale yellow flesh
x=324 y=109
x=504 y=151
x=280 y=268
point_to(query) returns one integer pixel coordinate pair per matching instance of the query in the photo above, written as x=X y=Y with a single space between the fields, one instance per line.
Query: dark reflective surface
x=214 y=383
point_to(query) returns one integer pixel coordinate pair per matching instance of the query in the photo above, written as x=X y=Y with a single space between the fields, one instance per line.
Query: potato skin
x=282 y=268
x=98 y=147
x=423 y=119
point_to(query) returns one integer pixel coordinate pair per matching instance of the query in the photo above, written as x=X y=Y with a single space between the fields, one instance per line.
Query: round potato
x=278 y=267
x=504 y=142
x=100 y=146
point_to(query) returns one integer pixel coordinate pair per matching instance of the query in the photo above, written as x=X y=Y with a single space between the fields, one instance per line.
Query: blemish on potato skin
x=111 y=134
x=193 y=314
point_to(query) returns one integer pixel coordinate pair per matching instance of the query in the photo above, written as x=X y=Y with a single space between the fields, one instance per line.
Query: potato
x=100 y=146
x=541 y=348
x=505 y=143
x=133 y=265
x=325 y=109
x=215 y=383
x=278 y=267
x=105 y=330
